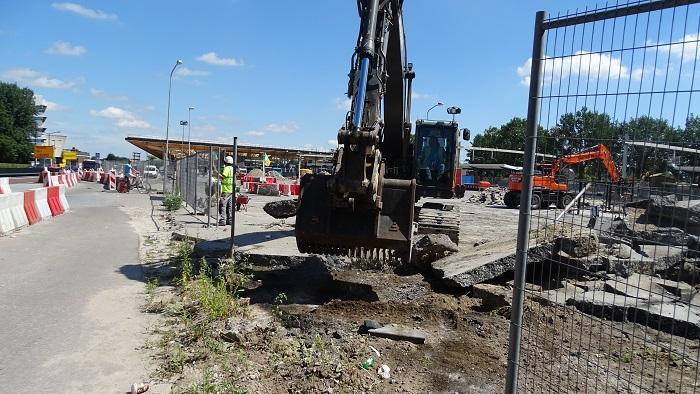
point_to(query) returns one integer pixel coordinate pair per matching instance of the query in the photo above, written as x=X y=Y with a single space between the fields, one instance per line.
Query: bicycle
x=138 y=183
x=141 y=184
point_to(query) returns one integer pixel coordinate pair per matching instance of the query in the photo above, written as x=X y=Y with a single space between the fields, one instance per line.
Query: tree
x=510 y=135
x=17 y=126
x=113 y=157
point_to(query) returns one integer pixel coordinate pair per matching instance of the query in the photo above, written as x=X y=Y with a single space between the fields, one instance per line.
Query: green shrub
x=172 y=202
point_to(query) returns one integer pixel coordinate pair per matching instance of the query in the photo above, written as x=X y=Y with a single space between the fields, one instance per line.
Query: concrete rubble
x=430 y=247
x=489 y=196
x=465 y=269
x=399 y=333
x=281 y=209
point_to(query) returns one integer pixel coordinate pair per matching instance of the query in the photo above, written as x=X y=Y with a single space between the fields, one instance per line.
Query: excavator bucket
x=381 y=234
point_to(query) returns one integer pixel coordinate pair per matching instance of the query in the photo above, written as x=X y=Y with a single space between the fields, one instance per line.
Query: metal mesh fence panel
x=197 y=184
x=609 y=299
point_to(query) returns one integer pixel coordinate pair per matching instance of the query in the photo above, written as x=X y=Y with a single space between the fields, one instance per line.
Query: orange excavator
x=546 y=190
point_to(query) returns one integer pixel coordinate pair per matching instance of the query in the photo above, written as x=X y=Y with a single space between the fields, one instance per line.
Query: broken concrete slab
x=492 y=296
x=430 y=247
x=672 y=317
x=639 y=286
x=463 y=270
x=281 y=209
x=682 y=290
x=560 y=296
x=685 y=214
x=399 y=333
x=576 y=246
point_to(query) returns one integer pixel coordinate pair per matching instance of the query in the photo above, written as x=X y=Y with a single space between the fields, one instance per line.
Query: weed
x=280 y=299
x=172 y=202
x=213 y=298
x=183 y=259
x=209 y=386
x=174 y=358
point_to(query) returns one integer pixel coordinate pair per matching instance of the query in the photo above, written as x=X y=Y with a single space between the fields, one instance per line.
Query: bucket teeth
x=358 y=252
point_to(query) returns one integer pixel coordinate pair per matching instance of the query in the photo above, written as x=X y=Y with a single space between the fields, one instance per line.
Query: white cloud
x=420 y=96
x=213 y=58
x=188 y=72
x=84 y=11
x=103 y=95
x=685 y=48
x=50 y=105
x=35 y=78
x=64 y=48
x=275 y=128
x=121 y=117
x=333 y=142
x=593 y=65
x=342 y=103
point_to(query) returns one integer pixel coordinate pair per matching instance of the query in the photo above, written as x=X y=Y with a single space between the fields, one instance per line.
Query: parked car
x=150 y=172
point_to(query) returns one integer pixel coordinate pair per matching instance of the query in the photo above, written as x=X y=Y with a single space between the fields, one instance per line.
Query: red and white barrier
x=112 y=180
x=62 y=198
x=54 y=200
x=7 y=224
x=42 y=203
x=30 y=208
x=21 y=209
x=19 y=217
x=5 y=186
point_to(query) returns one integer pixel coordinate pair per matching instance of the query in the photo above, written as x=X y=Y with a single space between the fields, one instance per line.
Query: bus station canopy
x=178 y=149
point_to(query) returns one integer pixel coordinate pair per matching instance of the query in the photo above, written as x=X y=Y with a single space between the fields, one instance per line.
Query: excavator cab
x=435 y=158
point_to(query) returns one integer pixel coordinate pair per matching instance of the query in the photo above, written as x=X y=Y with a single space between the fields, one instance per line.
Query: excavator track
x=438 y=218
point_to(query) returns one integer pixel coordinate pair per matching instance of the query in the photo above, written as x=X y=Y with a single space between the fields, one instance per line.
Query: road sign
x=43 y=152
x=69 y=155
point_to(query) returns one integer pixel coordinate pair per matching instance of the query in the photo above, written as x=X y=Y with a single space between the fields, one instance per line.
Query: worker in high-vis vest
x=228 y=187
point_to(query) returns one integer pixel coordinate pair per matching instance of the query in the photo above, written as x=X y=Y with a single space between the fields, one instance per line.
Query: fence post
x=233 y=196
x=533 y=109
x=209 y=171
x=218 y=189
x=196 y=174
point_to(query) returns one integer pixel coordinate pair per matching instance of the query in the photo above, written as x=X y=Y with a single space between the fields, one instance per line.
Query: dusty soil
x=307 y=335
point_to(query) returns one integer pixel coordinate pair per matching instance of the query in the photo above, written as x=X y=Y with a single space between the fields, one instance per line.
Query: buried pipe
x=571 y=204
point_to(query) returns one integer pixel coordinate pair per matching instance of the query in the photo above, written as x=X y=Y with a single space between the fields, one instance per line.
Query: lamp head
x=439 y=103
x=178 y=62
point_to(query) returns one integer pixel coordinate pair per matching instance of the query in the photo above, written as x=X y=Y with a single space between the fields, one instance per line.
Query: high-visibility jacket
x=227 y=180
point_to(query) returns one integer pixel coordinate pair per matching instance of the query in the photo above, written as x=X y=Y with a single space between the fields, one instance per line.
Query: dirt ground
x=298 y=326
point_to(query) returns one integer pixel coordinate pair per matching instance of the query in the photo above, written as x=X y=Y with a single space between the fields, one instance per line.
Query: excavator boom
x=597 y=152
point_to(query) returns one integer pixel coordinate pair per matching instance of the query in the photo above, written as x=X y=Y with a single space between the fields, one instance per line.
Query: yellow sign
x=69 y=155
x=43 y=152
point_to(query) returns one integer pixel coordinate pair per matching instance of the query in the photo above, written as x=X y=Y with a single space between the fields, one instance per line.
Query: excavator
x=366 y=207
x=546 y=190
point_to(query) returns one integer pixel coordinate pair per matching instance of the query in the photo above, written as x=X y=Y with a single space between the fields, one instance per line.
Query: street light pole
x=189 y=129
x=427 y=114
x=167 y=128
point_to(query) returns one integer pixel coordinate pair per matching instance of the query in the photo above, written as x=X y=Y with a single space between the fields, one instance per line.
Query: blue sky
x=270 y=72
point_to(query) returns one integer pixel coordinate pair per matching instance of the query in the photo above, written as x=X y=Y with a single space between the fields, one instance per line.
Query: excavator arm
x=359 y=209
x=597 y=152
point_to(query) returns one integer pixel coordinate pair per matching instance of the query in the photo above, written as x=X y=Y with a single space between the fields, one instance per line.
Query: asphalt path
x=70 y=291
